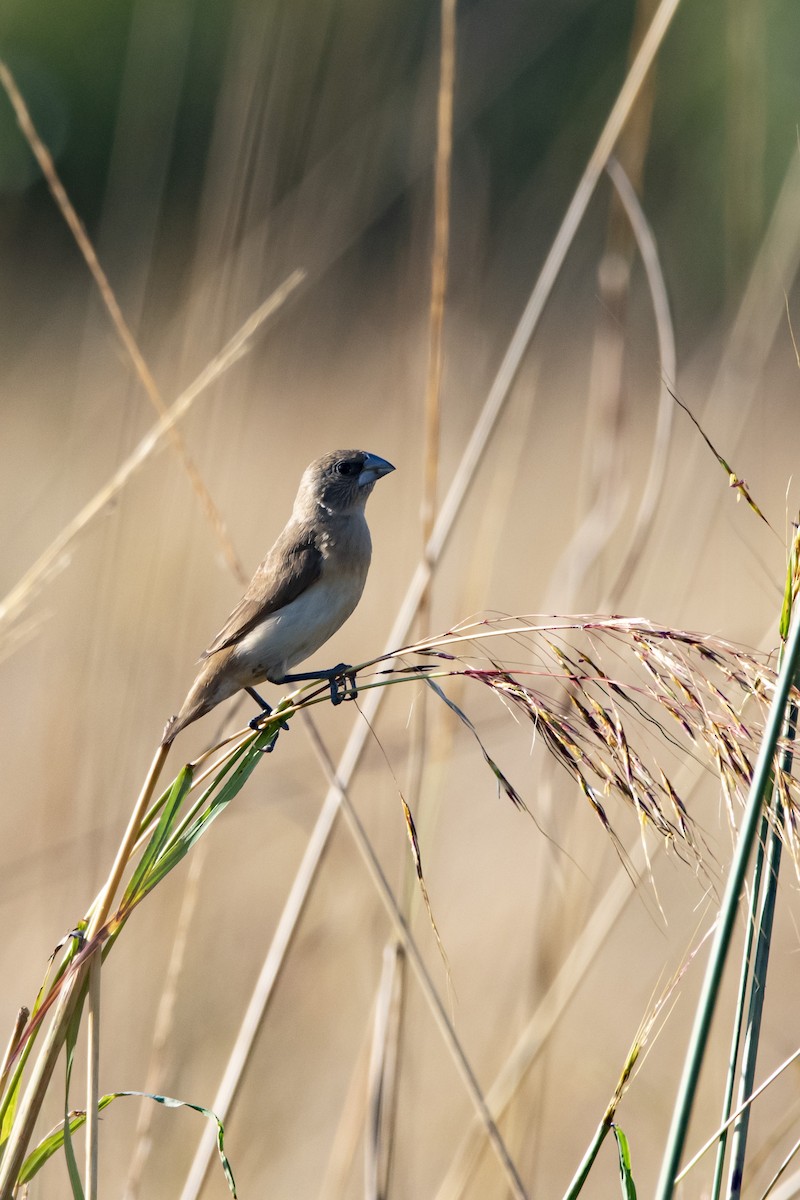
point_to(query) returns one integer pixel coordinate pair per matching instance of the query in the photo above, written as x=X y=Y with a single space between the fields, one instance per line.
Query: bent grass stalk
x=123 y=330
x=448 y=513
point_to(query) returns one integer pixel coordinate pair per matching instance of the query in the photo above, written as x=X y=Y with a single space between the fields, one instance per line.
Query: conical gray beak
x=373 y=469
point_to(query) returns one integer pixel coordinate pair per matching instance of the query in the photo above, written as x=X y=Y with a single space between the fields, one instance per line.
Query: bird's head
x=339 y=482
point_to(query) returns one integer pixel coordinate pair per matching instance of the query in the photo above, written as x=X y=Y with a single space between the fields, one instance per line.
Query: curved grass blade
x=624 y=1158
x=411 y=829
x=792 y=584
x=503 y=782
x=51 y=1144
x=176 y=845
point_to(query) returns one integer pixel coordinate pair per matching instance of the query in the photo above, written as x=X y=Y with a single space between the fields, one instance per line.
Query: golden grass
x=628 y=709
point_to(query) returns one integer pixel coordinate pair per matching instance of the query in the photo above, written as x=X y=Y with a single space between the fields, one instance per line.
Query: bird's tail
x=173 y=727
x=204 y=694
x=185 y=717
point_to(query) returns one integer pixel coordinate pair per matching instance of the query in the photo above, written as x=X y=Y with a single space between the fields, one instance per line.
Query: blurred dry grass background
x=212 y=150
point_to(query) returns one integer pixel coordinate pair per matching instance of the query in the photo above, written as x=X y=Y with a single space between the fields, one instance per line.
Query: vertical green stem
x=766 y=919
x=762 y=775
x=93 y=1076
x=741 y=1001
x=587 y=1161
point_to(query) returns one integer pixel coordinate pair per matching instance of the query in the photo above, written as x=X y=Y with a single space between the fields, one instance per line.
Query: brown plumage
x=306 y=587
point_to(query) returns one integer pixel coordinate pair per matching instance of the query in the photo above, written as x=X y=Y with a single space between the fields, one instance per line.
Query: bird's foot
x=270 y=746
x=257 y=726
x=258 y=720
x=343 y=683
x=341 y=680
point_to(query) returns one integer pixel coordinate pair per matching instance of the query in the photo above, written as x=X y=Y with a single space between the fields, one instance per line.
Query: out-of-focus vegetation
x=211 y=149
x=533 y=80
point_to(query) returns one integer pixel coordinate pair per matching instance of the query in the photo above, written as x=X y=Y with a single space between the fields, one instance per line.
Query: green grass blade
x=792 y=584
x=169 y=812
x=761 y=782
x=9 y=1108
x=69 y=1151
x=178 y=844
x=171 y=1102
x=51 y=1144
x=763 y=945
x=61 y=1135
x=741 y=1003
x=624 y=1158
x=8 y=1105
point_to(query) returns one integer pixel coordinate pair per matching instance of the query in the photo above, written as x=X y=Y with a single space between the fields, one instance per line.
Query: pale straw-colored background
x=212 y=153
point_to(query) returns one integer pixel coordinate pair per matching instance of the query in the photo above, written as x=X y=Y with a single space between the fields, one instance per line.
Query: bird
x=304 y=590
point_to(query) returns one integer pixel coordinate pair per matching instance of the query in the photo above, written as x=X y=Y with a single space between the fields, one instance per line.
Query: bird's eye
x=346 y=467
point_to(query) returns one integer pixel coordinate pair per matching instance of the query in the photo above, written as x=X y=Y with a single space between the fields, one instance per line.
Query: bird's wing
x=292 y=565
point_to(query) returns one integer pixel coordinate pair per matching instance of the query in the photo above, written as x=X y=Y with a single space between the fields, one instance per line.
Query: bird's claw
x=259 y=719
x=270 y=746
x=256 y=724
x=343 y=683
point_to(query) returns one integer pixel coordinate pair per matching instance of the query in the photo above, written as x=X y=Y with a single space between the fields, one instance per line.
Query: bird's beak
x=373 y=469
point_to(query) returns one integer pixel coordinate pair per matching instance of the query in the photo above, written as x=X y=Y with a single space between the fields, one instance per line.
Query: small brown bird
x=306 y=587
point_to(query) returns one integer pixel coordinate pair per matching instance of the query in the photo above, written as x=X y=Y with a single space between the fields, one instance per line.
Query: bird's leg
x=339 y=677
x=266 y=709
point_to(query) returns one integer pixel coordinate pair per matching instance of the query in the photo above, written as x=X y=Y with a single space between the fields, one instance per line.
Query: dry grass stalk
x=668 y=358
x=55 y=556
x=65 y=996
x=444 y=150
x=442 y=529
x=164 y=1024
x=385 y=1089
x=688 y=689
x=143 y=372
x=682 y=691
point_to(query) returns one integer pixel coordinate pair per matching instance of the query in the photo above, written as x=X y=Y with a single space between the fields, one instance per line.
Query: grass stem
x=93 y=1076
x=762 y=778
x=763 y=942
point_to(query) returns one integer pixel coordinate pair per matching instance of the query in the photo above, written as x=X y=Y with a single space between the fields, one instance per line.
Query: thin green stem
x=177 y=834
x=587 y=1162
x=93 y=1077
x=738 y=1023
x=762 y=778
x=766 y=918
